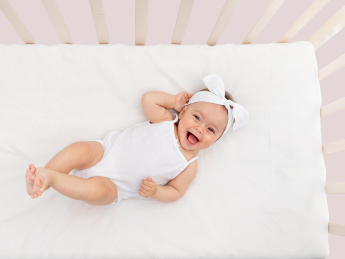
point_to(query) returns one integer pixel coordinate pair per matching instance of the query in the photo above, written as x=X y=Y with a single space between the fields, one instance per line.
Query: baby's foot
x=30 y=176
x=44 y=177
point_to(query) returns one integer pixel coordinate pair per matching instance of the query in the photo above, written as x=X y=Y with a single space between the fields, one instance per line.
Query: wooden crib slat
x=223 y=20
x=336 y=229
x=141 y=15
x=329 y=29
x=332 y=67
x=54 y=14
x=182 y=20
x=333 y=147
x=333 y=107
x=98 y=15
x=338 y=187
x=16 y=22
x=312 y=10
x=265 y=17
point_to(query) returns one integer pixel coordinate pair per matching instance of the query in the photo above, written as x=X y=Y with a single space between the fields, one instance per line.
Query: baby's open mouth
x=191 y=138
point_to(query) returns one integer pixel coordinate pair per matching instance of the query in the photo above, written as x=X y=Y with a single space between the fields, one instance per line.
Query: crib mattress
x=259 y=192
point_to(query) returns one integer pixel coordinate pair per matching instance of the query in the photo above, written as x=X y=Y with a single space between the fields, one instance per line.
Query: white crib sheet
x=259 y=191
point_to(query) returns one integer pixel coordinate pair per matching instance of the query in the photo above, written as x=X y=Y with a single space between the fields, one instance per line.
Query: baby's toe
x=30 y=173
x=37 y=184
x=32 y=168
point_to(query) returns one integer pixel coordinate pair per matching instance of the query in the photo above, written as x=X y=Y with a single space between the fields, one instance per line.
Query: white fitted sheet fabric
x=259 y=192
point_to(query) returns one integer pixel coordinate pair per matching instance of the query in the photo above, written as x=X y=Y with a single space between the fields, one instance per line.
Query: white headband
x=216 y=95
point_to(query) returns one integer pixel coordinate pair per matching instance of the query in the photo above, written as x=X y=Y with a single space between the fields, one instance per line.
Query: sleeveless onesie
x=142 y=150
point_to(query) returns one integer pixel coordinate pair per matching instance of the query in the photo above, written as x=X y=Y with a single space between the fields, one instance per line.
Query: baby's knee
x=97 y=190
x=88 y=153
x=104 y=192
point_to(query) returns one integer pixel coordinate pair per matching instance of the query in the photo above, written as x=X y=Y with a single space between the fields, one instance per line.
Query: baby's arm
x=166 y=194
x=177 y=187
x=155 y=105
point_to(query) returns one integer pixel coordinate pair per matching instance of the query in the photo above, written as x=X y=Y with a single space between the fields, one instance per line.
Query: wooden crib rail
x=55 y=17
x=323 y=34
x=16 y=22
x=336 y=229
x=332 y=107
x=141 y=16
x=312 y=10
x=331 y=68
x=335 y=188
x=223 y=20
x=265 y=17
x=333 y=147
x=182 y=20
x=99 y=20
x=329 y=29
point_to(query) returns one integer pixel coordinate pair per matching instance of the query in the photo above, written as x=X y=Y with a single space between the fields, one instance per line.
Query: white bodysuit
x=140 y=151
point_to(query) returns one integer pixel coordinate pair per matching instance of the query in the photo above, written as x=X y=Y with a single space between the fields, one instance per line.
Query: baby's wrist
x=175 y=108
x=155 y=192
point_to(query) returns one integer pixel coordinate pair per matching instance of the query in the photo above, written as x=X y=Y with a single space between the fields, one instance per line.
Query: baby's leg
x=92 y=190
x=78 y=155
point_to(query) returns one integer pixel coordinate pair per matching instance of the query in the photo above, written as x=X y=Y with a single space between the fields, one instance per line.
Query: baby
x=161 y=149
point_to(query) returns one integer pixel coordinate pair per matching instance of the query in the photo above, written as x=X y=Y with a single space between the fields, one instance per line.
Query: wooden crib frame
x=322 y=35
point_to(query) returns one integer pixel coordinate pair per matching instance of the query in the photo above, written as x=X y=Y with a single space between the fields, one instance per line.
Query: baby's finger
x=147 y=188
x=141 y=193
x=143 y=189
x=148 y=184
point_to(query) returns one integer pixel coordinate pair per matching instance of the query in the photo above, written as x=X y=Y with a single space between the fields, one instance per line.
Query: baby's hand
x=181 y=99
x=148 y=188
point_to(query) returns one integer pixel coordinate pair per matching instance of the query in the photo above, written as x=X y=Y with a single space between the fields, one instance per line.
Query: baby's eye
x=198 y=119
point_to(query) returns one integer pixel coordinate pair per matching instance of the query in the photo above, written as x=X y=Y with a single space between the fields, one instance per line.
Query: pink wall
x=162 y=17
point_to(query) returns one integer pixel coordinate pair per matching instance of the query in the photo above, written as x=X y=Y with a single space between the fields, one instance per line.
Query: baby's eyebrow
x=204 y=116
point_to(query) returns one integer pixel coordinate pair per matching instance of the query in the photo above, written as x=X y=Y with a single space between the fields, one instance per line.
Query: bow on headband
x=216 y=95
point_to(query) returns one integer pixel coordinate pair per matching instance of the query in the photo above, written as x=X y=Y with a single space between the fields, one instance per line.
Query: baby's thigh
x=94 y=151
x=111 y=192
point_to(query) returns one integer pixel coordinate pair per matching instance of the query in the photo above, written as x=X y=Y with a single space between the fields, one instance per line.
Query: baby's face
x=206 y=121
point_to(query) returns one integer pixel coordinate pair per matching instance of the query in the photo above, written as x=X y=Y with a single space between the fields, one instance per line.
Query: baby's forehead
x=209 y=108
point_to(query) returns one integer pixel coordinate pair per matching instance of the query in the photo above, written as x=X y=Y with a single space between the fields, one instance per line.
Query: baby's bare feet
x=43 y=178
x=30 y=176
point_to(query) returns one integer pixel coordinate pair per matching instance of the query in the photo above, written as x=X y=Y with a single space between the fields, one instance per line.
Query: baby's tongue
x=192 y=139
